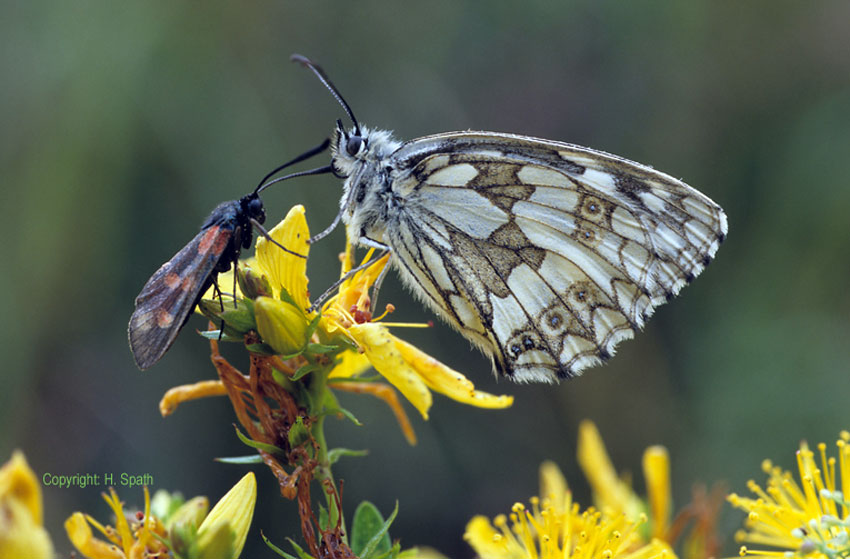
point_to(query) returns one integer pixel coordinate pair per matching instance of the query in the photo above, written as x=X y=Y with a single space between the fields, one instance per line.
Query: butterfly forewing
x=544 y=254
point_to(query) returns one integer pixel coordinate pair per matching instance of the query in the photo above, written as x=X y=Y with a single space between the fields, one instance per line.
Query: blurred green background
x=125 y=123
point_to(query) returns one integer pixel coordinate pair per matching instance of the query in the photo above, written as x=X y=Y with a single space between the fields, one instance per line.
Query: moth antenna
x=306 y=155
x=327 y=82
x=316 y=171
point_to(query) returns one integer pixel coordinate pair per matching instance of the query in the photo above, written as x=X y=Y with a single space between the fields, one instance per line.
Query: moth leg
x=217 y=290
x=262 y=230
x=235 y=268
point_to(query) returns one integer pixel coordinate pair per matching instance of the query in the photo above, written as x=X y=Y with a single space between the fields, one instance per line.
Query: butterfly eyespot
x=353 y=145
x=515 y=350
x=528 y=343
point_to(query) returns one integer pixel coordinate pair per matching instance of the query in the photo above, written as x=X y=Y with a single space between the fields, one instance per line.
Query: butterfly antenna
x=331 y=87
x=306 y=155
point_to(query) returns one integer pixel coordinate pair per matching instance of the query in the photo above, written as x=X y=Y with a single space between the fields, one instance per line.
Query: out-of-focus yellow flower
x=347 y=315
x=555 y=528
x=126 y=540
x=614 y=495
x=807 y=518
x=221 y=534
x=611 y=494
x=21 y=530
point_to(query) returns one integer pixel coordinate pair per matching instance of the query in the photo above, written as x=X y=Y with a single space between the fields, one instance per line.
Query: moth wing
x=545 y=254
x=164 y=304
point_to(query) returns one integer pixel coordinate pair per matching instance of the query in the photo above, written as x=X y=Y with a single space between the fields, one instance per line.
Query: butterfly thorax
x=364 y=160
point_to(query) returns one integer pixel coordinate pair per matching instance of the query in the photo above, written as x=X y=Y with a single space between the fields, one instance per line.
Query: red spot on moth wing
x=164 y=318
x=189 y=284
x=172 y=280
x=209 y=239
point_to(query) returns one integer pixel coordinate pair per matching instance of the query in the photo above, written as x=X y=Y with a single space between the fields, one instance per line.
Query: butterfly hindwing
x=171 y=293
x=544 y=254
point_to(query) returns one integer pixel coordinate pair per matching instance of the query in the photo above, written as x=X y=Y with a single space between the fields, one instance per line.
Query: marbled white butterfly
x=543 y=254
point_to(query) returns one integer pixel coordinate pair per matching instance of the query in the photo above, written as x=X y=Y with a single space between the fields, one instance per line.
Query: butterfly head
x=352 y=148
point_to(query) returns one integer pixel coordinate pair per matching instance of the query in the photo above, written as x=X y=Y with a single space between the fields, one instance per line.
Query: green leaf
x=396 y=552
x=370 y=378
x=298 y=433
x=369 y=532
x=324 y=518
x=214 y=335
x=270 y=448
x=313 y=325
x=301 y=553
x=240 y=319
x=303 y=371
x=237 y=319
x=261 y=349
x=319 y=349
x=335 y=454
x=275 y=548
x=250 y=459
x=282 y=379
x=286 y=297
x=344 y=412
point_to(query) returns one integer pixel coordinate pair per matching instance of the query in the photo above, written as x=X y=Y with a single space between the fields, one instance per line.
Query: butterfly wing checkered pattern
x=544 y=254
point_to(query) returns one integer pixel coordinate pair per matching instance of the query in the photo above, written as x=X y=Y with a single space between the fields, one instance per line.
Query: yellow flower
x=221 y=534
x=21 y=530
x=555 y=528
x=806 y=518
x=346 y=317
x=126 y=540
x=615 y=496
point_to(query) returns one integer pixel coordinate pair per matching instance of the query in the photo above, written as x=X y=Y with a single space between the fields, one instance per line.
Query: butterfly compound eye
x=353 y=145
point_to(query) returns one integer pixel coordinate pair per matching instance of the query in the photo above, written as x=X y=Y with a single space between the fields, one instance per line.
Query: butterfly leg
x=328 y=229
x=377 y=285
x=329 y=291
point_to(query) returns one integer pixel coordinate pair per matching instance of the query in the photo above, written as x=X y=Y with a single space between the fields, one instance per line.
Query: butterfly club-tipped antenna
x=317 y=70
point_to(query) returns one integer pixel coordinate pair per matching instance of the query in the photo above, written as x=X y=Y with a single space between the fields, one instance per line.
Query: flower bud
x=282 y=325
x=224 y=530
x=252 y=284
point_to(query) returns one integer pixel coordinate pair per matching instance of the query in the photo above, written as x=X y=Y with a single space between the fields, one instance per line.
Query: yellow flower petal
x=351 y=364
x=80 y=534
x=613 y=494
x=20 y=536
x=484 y=539
x=283 y=268
x=18 y=482
x=21 y=531
x=237 y=509
x=553 y=486
x=656 y=471
x=447 y=381
x=381 y=350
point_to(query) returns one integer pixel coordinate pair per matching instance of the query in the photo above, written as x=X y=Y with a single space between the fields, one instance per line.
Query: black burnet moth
x=166 y=301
